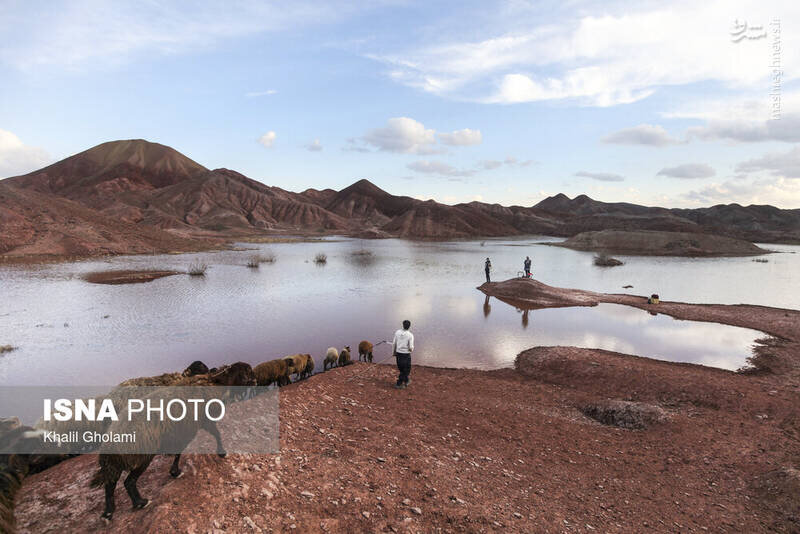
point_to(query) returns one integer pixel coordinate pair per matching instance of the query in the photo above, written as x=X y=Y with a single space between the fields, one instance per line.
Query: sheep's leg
x=112 y=476
x=130 y=485
x=175 y=469
x=370 y=357
x=211 y=428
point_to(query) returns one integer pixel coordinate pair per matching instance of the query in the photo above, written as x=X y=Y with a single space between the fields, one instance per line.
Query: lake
x=69 y=331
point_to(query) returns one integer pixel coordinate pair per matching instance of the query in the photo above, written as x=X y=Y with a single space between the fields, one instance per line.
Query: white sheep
x=331 y=358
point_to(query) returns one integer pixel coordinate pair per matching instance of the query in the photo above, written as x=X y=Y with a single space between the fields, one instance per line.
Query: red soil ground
x=499 y=451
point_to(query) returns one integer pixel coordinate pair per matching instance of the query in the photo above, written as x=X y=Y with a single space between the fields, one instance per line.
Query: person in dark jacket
x=527 y=267
x=488 y=269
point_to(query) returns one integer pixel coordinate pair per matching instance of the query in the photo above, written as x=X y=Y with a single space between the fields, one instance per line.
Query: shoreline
x=778 y=352
x=222 y=243
x=518 y=449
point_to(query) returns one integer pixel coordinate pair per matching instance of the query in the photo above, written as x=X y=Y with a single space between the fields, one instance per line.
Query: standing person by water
x=402 y=347
x=527 y=266
x=488 y=269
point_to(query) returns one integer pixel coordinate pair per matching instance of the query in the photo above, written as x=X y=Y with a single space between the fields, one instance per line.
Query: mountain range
x=135 y=196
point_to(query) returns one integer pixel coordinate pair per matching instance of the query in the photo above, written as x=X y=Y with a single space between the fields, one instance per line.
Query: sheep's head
x=347 y=348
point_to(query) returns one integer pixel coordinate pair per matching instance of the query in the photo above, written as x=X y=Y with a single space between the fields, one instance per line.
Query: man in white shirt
x=402 y=347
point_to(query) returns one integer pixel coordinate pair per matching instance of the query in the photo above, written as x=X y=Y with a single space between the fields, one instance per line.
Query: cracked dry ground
x=475 y=451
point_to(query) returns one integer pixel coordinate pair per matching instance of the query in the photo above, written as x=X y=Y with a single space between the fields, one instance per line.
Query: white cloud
x=268 y=92
x=786 y=129
x=643 y=134
x=268 y=139
x=785 y=164
x=587 y=84
x=688 y=170
x=514 y=162
x=601 y=176
x=18 y=158
x=463 y=137
x=602 y=54
x=437 y=167
x=314 y=146
x=88 y=33
x=353 y=146
x=403 y=135
x=490 y=164
x=777 y=191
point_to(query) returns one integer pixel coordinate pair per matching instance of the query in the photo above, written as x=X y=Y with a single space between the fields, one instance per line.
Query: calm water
x=71 y=332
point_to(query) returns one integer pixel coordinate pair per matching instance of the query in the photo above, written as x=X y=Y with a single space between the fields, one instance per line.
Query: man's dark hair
x=406 y=324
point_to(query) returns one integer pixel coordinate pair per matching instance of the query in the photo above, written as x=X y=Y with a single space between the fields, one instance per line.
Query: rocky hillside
x=37 y=224
x=155 y=188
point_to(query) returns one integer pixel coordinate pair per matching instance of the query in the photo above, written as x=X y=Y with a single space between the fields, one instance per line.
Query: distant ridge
x=156 y=188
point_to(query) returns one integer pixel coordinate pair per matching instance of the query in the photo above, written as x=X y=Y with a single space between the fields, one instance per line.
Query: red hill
x=133 y=194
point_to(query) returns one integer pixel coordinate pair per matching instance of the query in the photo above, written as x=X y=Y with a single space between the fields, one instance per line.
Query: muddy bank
x=126 y=276
x=655 y=243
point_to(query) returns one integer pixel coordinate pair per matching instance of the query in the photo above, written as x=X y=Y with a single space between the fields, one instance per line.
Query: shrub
x=321 y=258
x=257 y=260
x=7 y=348
x=197 y=269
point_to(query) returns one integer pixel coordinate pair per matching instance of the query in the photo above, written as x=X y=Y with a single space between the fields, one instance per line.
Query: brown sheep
x=344 y=357
x=272 y=371
x=14 y=467
x=365 y=350
x=309 y=369
x=237 y=374
x=196 y=368
x=151 y=435
x=298 y=364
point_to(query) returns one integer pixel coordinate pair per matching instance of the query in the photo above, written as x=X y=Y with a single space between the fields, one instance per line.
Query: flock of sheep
x=280 y=370
x=276 y=371
x=154 y=436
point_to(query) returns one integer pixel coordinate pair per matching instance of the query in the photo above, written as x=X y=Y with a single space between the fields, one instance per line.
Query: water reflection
x=292 y=305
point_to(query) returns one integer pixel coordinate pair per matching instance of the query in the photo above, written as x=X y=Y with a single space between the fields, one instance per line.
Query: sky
x=669 y=103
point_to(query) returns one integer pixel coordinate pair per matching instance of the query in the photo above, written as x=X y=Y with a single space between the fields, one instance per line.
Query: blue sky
x=665 y=103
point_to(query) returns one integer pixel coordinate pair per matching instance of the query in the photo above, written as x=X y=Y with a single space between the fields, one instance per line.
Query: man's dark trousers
x=404 y=366
x=487 y=275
